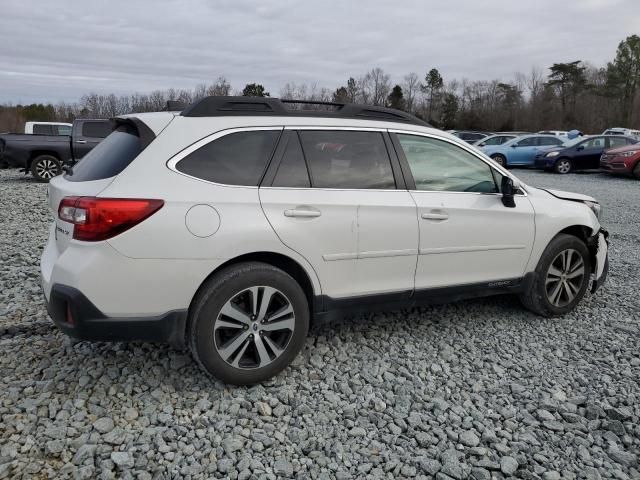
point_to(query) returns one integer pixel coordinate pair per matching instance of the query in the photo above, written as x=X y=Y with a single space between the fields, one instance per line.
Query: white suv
x=231 y=227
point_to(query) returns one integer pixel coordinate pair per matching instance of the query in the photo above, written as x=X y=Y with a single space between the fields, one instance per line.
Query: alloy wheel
x=47 y=168
x=565 y=277
x=564 y=166
x=254 y=327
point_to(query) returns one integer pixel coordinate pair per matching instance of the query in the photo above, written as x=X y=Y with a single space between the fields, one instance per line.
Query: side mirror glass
x=508 y=189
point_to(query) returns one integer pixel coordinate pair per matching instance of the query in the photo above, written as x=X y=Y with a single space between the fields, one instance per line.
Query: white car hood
x=569 y=195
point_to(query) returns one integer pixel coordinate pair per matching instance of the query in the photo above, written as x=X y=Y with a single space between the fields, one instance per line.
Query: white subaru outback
x=232 y=226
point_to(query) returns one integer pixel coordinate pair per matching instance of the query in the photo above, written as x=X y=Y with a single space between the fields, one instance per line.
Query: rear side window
x=109 y=157
x=618 y=142
x=64 y=130
x=96 y=129
x=548 y=141
x=235 y=159
x=347 y=159
x=292 y=171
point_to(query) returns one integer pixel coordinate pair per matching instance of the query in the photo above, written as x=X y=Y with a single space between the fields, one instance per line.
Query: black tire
x=45 y=167
x=563 y=166
x=537 y=298
x=636 y=171
x=206 y=309
x=4 y=164
x=500 y=159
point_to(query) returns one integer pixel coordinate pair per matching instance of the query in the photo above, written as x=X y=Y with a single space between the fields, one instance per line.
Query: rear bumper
x=76 y=316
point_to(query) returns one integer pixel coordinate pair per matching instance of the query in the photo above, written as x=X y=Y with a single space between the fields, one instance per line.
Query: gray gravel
x=479 y=389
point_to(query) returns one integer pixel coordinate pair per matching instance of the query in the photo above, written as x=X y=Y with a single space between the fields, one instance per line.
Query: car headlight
x=630 y=153
x=595 y=207
x=552 y=154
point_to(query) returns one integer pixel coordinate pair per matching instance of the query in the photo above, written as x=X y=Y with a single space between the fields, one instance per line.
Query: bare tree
x=411 y=88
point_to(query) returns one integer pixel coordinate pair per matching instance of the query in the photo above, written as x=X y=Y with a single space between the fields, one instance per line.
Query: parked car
x=582 y=153
x=497 y=139
x=232 y=226
x=622 y=161
x=628 y=132
x=47 y=128
x=557 y=133
x=470 y=136
x=521 y=151
x=45 y=155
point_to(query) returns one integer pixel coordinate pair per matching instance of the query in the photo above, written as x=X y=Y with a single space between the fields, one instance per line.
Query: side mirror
x=514 y=145
x=508 y=191
x=579 y=148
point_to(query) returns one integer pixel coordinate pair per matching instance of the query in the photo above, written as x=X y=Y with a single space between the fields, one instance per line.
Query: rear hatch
x=94 y=173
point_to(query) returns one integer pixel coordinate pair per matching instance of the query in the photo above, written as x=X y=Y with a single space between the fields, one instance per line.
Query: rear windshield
x=109 y=157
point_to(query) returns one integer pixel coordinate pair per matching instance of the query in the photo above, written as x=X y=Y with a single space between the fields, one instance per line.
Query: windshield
x=574 y=141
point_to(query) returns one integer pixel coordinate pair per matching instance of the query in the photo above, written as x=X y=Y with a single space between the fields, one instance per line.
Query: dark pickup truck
x=45 y=155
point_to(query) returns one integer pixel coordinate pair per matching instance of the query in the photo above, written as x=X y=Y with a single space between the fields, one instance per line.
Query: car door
x=467 y=235
x=87 y=134
x=588 y=153
x=522 y=152
x=344 y=213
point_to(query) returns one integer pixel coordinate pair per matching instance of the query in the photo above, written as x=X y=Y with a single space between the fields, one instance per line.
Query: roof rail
x=266 y=106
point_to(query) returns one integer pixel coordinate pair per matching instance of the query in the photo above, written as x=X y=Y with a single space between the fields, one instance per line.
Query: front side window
x=234 y=159
x=40 y=129
x=440 y=166
x=347 y=159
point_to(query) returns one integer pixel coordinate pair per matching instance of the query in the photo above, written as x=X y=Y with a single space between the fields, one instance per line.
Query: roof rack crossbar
x=259 y=106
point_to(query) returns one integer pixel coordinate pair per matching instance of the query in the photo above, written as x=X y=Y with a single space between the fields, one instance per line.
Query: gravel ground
x=479 y=389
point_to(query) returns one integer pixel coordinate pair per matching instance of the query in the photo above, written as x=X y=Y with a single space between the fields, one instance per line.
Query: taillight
x=96 y=219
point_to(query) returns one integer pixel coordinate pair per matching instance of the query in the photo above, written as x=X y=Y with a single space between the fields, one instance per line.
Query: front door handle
x=302 y=212
x=435 y=216
x=81 y=141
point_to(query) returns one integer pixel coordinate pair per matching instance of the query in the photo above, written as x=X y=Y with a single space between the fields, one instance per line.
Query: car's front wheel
x=561 y=277
x=636 y=171
x=500 y=160
x=563 y=166
x=248 y=323
x=45 y=167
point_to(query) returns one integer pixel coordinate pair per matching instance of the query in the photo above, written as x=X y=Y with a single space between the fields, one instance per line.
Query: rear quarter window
x=109 y=157
x=239 y=158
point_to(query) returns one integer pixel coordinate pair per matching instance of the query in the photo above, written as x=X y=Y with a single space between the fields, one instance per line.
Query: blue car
x=521 y=151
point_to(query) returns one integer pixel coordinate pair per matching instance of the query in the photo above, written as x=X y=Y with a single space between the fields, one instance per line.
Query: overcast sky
x=59 y=50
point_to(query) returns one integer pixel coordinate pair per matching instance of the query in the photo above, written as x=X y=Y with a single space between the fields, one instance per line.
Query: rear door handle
x=435 y=216
x=302 y=212
x=81 y=141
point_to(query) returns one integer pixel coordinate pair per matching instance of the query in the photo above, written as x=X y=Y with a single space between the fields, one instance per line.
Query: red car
x=622 y=160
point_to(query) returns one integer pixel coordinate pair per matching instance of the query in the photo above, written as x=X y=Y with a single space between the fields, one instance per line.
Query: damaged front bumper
x=599 y=248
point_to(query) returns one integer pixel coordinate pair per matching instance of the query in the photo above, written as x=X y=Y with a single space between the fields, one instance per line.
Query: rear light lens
x=97 y=219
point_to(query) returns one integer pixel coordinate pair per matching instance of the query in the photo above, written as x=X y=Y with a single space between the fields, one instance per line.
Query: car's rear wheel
x=500 y=160
x=45 y=167
x=563 y=166
x=561 y=277
x=248 y=323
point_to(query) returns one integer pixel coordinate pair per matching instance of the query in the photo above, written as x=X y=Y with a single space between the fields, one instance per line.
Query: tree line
x=568 y=95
